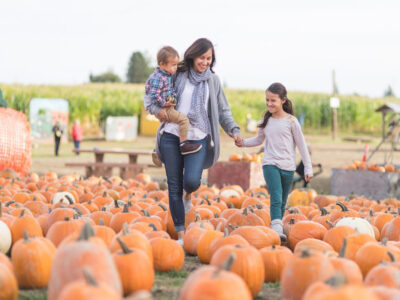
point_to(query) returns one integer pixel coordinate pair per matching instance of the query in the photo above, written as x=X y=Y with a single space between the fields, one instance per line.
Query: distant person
x=58 y=132
x=3 y=102
x=281 y=132
x=77 y=134
x=160 y=88
x=300 y=169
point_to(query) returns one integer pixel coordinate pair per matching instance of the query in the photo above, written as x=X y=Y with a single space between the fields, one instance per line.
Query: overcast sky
x=257 y=42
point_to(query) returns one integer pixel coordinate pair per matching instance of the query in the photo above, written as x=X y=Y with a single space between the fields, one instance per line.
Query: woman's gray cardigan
x=218 y=113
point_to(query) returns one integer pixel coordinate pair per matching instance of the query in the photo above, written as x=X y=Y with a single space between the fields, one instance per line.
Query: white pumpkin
x=229 y=193
x=358 y=224
x=63 y=197
x=5 y=238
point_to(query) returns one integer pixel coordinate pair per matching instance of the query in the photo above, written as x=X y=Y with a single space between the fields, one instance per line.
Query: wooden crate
x=245 y=174
x=370 y=184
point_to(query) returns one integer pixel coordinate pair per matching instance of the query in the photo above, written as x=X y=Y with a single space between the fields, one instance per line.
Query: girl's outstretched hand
x=308 y=177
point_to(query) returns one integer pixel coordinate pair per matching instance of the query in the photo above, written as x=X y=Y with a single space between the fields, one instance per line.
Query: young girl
x=282 y=133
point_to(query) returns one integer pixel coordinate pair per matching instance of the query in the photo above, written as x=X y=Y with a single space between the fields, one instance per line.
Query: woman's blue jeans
x=183 y=173
x=278 y=182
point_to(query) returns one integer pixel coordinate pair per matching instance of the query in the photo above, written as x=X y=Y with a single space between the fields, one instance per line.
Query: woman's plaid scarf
x=197 y=114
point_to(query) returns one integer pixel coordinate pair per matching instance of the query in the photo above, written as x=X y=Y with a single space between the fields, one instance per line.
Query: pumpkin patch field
x=64 y=237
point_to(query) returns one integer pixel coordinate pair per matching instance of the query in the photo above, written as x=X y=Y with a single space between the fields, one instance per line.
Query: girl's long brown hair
x=280 y=90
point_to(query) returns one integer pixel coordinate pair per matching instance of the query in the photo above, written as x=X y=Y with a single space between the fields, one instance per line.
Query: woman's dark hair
x=280 y=90
x=198 y=48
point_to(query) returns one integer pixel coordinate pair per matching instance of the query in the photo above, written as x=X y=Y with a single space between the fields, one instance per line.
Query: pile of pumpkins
x=106 y=237
x=253 y=157
x=362 y=165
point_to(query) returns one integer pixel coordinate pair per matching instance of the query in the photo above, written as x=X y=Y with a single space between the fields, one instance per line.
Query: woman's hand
x=308 y=177
x=162 y=115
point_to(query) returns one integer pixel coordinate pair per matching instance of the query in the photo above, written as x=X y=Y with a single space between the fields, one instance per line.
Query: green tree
x=105 y=77
x=139 y=68
x=388 y=92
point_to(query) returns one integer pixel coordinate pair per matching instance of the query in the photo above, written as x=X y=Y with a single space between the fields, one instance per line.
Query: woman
x=201 y=98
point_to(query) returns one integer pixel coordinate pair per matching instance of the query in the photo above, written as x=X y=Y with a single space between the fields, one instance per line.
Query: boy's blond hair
x=165 y=53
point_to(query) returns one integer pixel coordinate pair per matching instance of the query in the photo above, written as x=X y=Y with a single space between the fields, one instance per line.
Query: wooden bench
x=100 y=168
x=104 y=169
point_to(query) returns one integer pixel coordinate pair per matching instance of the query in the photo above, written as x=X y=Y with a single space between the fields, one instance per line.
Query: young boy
x=160 y=88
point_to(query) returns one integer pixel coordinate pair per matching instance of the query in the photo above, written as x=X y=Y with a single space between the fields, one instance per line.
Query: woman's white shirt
x=184 y=107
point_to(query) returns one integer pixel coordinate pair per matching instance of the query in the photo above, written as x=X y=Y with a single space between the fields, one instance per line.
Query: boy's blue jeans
x=278 y=183
x=183 y=172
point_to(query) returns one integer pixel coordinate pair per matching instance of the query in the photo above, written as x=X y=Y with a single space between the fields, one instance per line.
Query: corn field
x=93 y=103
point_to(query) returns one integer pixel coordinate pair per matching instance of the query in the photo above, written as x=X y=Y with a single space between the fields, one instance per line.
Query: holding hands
x=238 y=139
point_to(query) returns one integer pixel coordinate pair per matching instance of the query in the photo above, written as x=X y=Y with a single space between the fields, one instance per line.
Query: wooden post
x=334 y=122
x=383 y=124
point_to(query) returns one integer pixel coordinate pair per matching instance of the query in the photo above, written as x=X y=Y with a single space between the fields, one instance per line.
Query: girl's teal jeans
x=278 y=183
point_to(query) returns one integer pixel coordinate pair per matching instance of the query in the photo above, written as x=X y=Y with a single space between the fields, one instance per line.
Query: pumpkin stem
x=126 y=209
x=258 y=206
x=230 y=205
x=116 y=205
x=336 y=280
x=245 y=211
x=34 y=198
x=124 y=247
x=125 y=229
x=88 y=275
x=273 y=246
x=330 y=223
x=343 y=249
x=226 y=231
x=384 y=241
x=66 y=219
x=391 y=256
x=78 y=211
x=324 y=212
x=22 y=213
x=26 y=236
x=305 y=252
x=145 y=213
x=292 y=221
x=162 y=206
x=101 y=222
x=1 y=209
x=342 y=206
x=86 y=233
x=371 y=213
x=227 y=265
x=104 y=193
x=197 y=217
x=153 y=226
x=103 y=208
x=9 y=203
x=70 y=200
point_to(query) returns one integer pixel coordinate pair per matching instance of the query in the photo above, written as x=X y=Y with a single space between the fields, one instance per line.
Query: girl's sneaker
x=180 y=242
x=277 y=226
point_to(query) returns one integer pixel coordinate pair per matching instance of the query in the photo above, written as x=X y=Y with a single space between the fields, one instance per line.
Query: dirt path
x=330 y=154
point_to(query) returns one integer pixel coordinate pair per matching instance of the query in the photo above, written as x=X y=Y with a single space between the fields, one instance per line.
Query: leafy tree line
x=139 y=69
